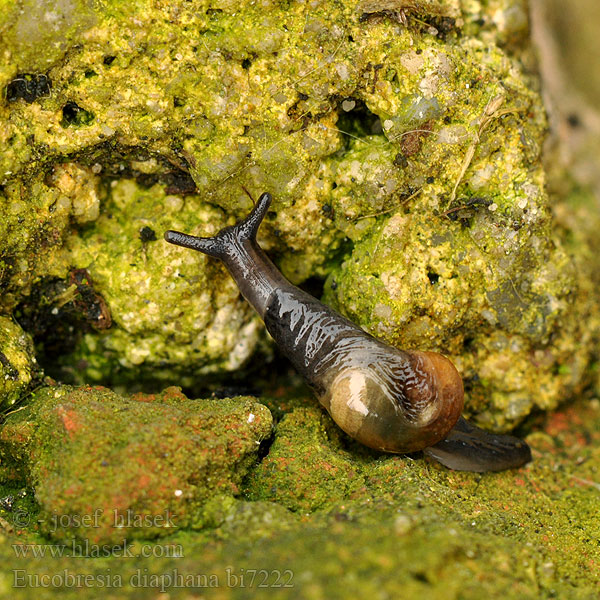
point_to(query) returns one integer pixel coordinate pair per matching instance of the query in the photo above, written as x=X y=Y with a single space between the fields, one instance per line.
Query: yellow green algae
x=168 y=307
x=18 y=365
x=393 y=526
x=401 y=147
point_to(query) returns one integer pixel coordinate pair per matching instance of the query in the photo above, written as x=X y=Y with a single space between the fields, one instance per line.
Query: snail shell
x=385 y=398
x=370 y=406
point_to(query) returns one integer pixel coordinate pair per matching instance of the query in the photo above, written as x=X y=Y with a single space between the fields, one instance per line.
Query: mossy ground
x=392 y=527
x=143 y=455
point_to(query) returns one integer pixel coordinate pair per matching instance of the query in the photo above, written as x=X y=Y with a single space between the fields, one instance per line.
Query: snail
x=388 y=399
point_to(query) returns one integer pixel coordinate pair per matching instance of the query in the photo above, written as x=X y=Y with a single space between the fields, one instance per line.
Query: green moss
x=411 y=528
x=18 y=367
x=301 y=472
x=163 y=455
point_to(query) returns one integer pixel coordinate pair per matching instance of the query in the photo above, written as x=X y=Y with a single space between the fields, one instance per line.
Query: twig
x=491 y=111
x=587 y=482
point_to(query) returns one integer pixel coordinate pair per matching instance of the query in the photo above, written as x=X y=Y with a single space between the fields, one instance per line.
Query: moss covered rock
x=401 y=145
x=410 y=529
x=105 y=468
x=18 y=365
x=174 y=314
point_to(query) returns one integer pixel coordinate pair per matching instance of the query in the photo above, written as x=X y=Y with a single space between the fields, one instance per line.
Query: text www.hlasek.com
x=87 y=550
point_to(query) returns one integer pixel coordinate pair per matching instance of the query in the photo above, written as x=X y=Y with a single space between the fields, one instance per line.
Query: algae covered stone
x=402 y=148
x=105 y=467
x=174 y=314
x=35 y=218
x=18 y=365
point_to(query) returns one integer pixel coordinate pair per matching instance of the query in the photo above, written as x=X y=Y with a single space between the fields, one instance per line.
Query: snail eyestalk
x=388 y=399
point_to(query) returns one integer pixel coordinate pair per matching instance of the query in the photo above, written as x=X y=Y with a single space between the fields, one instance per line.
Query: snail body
x=385 y=398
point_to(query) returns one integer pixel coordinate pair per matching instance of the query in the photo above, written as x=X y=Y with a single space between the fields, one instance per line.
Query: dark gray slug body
x=385 y=398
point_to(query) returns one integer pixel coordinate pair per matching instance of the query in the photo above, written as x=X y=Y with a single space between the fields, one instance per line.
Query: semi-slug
x=388 y=399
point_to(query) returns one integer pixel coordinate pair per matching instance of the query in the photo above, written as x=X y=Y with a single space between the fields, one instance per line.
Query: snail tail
x=469 y=448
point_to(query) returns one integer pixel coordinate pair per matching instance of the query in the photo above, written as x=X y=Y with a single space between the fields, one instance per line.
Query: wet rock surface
x=105 y=468
x=402 y=148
